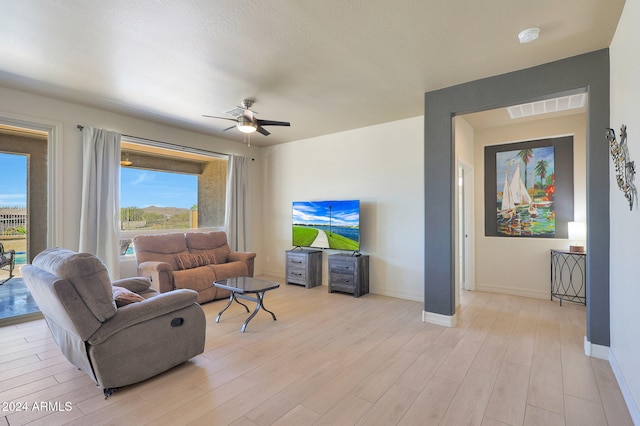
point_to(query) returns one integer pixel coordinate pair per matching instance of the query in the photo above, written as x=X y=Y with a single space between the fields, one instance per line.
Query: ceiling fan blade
x=221 y=118
x=273 y=123
x=263 y=131
x=229 y=128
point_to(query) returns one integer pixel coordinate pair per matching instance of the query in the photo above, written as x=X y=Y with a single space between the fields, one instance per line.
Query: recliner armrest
x=159 y=273
x=134 y=284
x=146 y=310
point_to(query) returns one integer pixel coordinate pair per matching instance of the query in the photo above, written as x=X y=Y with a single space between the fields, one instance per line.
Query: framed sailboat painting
x=529 y=188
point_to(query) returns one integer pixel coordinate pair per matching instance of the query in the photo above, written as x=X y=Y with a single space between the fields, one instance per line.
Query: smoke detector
x=528 y=35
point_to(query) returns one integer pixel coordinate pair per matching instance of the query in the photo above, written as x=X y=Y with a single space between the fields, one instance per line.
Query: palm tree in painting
x=525 y=155
x=541 y=170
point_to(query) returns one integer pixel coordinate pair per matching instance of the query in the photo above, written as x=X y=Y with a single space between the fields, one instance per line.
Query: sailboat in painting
x=514 y=196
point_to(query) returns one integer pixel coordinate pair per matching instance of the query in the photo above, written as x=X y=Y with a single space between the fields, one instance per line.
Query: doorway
x=588 y=72
x=465 y=235
x=23 y=211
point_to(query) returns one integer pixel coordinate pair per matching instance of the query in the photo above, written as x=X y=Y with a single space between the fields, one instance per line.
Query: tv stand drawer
x=349 y=274
x=304 y=267
x=297 y=276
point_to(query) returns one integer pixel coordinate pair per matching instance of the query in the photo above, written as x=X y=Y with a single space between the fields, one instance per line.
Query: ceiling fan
x=246 y=120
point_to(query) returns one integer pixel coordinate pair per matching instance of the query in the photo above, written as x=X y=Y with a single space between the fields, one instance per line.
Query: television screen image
x=327 y=224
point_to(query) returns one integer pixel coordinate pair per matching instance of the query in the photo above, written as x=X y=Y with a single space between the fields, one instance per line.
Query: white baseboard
x=397 y=295
x=596 y=351
x=490 y=288
x=439 y=319
x=634 y=410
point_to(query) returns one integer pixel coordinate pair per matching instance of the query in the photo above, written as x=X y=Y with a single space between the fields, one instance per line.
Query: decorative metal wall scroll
x=625 y=169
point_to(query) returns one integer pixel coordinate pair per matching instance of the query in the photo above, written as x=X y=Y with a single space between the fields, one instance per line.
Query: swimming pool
x=21 y=257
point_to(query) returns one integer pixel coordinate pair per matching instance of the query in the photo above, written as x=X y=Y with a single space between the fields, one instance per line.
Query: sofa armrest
x=241 y=256
x=246 y=257
x=134 y=284
x=140 y=312
x=159 y=273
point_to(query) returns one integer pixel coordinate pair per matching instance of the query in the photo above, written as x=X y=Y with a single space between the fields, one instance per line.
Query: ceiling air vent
x=550 y=105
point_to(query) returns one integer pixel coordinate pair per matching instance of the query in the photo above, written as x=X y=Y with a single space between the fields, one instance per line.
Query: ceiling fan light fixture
x=246 y=125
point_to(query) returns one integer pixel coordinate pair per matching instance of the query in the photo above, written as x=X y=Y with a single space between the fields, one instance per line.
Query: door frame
x=466 y=215
x=54 y=172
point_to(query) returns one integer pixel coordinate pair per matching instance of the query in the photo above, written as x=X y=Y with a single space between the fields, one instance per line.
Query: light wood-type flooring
x=332 y=359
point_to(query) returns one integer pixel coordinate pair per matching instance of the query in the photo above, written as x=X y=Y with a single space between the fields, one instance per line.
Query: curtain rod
x=168 y=144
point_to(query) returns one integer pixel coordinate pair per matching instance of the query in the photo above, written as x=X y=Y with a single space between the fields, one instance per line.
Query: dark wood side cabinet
x=304 y=267
x=349 y=274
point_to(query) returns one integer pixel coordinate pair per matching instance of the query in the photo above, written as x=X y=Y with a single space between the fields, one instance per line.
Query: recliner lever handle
x=177 y=322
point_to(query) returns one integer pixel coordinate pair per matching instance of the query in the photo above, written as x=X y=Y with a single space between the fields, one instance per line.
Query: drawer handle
x=345 y=281
x=296 y=261
x=346 y=268
x=296 y=273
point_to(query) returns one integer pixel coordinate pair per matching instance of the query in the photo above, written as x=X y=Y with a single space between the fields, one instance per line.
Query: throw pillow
x=123 y=297
x=212 y=257
x=189 y=261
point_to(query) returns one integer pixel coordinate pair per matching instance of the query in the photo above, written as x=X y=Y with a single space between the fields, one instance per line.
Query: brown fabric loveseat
x=193 y=261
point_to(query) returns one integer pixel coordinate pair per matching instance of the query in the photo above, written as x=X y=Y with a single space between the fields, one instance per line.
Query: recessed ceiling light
x=528 y=35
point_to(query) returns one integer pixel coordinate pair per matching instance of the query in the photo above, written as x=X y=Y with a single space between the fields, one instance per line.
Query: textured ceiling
x=325 y=66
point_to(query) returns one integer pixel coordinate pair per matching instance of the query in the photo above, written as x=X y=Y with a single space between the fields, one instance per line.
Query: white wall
x=625 y=224
x=382 y=166
x=521 y=266
x=20 y=105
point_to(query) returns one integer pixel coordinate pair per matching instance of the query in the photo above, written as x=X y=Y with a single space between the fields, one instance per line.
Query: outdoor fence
x=13 y=220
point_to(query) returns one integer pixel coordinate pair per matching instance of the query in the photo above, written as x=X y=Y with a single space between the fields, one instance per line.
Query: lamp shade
x=577 y=235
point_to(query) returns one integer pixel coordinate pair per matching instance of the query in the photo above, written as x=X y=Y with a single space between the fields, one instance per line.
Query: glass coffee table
x=240 y=287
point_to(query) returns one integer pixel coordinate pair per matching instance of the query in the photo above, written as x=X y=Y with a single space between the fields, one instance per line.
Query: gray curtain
x=100 y=209
x=237 y=202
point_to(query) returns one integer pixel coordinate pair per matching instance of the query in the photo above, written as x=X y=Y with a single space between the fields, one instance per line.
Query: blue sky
x=144 y=188
x=139 y=188
x=13 y=183
x=508 y=160
x=343 y=212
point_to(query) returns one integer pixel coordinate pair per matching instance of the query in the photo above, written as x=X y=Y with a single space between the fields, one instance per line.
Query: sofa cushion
x=123 y=297
x=159 y=248
x=214 y=243
x=190 y=261
x=197 y=279
x=230 y=270
x=205 y=240
x=221 y=254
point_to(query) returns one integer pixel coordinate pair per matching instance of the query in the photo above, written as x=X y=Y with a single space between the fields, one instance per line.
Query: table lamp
x=577 y=236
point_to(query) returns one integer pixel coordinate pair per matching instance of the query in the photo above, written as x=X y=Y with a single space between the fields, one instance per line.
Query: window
x=13 y=206
x=165 y=189
x=151 y=199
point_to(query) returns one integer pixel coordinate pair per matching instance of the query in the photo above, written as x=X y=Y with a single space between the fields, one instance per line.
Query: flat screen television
x=327 y=224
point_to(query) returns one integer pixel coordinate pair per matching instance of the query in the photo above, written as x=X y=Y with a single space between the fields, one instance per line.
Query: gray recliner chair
x=116 y=346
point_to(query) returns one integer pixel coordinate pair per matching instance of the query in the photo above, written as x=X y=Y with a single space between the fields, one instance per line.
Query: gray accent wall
x=588 y=72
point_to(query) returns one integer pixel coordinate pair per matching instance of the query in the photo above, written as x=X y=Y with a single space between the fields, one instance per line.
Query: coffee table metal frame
x=240 y=287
